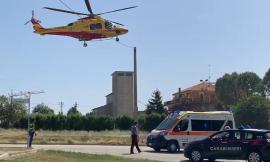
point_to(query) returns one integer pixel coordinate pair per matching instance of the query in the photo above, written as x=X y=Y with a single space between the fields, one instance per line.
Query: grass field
x=15 y=136
x=59 y=156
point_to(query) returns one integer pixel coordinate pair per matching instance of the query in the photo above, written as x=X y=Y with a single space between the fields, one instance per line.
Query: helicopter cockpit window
x=96 y=26
x=108 y=25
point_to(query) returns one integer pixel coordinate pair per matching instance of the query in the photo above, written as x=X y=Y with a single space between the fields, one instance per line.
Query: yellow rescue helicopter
x=90 y=27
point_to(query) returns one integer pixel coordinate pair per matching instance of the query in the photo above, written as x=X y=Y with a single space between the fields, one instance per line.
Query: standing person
x=134 y=138
x=31 y=134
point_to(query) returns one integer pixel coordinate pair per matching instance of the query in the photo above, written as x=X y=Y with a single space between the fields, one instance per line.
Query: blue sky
x=176 y=42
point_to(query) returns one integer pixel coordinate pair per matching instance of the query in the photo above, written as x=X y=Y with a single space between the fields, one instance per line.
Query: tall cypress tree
x=155 y=104
x=266 y=82
x=73 y=110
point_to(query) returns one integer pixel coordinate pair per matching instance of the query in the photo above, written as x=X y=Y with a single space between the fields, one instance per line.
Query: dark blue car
x=243 y=144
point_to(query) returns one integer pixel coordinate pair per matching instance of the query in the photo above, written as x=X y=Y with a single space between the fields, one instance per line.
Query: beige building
x=120 y=101
x=200 y=97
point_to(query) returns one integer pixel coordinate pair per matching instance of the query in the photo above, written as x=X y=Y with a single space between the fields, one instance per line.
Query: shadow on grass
x=131 y=154
x=126 y=154
x=203 y=161
x=164 y=152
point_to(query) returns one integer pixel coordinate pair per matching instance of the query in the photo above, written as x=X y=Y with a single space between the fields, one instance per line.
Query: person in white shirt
x=134 y=138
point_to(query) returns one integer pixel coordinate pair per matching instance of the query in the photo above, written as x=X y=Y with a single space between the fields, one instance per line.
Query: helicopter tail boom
x=36 y=25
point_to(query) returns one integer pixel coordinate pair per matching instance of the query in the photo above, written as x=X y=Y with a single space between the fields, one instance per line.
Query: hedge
x=88 y=122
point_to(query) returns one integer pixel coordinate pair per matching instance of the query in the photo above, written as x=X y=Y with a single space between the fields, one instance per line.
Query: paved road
x=123 y=151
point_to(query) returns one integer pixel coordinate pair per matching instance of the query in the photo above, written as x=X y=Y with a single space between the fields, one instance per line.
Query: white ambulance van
x=180 y=128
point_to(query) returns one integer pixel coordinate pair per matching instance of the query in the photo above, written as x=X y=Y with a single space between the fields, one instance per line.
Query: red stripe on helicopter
x=84 y=36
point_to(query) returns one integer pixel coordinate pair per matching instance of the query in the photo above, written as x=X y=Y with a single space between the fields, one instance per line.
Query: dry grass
x=11 y=149
x=115 y=137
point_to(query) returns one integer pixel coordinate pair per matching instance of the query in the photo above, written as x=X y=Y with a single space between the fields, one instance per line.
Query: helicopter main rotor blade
x=66 y=11
x=117 y=10
x=116 y=23
x=89 y=7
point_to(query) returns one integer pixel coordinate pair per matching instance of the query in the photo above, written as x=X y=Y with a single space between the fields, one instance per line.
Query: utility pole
x=61 y=106
x=135 y=106
x=135 y=98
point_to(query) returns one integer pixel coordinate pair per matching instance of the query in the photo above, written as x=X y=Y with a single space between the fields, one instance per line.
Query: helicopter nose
x=122 y=31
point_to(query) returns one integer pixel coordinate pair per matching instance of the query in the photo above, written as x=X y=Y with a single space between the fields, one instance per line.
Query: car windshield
x=220 y=135
x=166 y=124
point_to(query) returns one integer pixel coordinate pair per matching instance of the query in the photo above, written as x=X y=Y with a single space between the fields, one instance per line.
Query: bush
x=124 y=122
x=152 y=121
x=142 y=121
x=88 y=122
x=253 y=111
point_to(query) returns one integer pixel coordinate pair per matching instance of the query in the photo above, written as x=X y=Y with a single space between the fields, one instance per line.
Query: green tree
x=10 y=113
x=151 y=121
x=266 y=82
x=226 y=89
x=253 y=110
x=73 y=110
x=124 y=122
x=155 y=104
x=42 y=109
x=232 y=87
x=249 y=83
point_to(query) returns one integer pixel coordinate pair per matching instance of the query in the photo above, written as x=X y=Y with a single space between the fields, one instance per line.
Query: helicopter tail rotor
x=33 y=15
x=36 y=23
x=32 y=19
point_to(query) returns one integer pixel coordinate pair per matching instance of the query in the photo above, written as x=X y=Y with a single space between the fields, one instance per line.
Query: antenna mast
x=209 y=73
x=27 y=95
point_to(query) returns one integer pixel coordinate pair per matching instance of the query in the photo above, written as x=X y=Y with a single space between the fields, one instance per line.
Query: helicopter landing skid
x=85 y=44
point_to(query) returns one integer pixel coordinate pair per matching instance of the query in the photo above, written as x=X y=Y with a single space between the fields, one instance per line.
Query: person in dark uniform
x=31 y=134
x=134 y=138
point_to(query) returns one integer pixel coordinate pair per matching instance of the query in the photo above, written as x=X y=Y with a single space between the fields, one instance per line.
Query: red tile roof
x=199 y=87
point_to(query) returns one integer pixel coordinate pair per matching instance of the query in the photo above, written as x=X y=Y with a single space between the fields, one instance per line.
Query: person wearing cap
x=31 y=134
x=134 y=138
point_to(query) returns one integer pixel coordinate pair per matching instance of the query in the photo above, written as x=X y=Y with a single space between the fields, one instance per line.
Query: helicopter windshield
x=108 y=25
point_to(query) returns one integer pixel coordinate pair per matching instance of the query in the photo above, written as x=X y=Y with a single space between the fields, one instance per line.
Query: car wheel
x=211 y=160
x=172 y=146
x=254 y=156
x=157 y=149
x=196 y=155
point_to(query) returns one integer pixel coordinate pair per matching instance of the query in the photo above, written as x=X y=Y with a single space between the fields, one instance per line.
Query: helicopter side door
x=96 y=27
